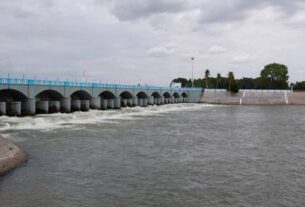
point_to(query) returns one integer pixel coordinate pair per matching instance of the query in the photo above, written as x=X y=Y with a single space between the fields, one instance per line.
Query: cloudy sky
x=149 y=41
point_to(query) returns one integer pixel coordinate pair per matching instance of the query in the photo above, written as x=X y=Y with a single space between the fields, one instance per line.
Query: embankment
x=11 y=156
x=254 y=97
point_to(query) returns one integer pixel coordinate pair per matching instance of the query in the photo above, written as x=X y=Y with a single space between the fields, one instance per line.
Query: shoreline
x=11 y=156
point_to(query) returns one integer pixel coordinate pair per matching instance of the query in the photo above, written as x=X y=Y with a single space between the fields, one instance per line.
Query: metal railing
x=251 y=90
x=32 y=82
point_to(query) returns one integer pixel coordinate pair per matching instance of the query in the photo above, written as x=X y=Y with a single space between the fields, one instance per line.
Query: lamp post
x=192 y=59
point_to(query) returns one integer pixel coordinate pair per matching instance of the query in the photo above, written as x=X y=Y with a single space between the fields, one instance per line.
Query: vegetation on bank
x=273 y=76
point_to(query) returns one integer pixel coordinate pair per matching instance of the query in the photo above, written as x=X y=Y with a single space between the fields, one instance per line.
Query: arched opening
x=156 y=95
x=107 y=100
x=80 y=101
x=142 y=95
x=48 y=101
x=49 y=95
x=80 y=95
x=142 y=99
x=167 y=97
x=126 y=99
x=157 y=98
x=107 y=95
x=176 y=95
x=10 y=95
x=11 y=102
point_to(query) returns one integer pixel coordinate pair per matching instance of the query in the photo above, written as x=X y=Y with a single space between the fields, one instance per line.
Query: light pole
x=192 y=59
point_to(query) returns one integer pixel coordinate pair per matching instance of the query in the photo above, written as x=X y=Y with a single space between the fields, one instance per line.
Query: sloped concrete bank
x=11 y=156
x=255 y=97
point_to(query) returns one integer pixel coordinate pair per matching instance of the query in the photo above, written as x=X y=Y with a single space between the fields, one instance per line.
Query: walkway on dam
x=28 y=97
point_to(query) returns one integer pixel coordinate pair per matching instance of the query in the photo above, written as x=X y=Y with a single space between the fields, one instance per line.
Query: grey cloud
x=217 y=11
x=135 y=9
x=64 y=37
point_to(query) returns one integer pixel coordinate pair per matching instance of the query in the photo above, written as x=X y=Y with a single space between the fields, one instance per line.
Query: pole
x=192 y=58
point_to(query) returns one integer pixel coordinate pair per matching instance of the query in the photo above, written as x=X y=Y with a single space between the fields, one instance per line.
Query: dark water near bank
x=183 y=156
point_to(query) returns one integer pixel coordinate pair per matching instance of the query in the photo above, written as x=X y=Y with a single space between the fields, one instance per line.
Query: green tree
x=231 y=79
x=184 y=82
x=274 y=76
x=218 y=79
x=206 y=75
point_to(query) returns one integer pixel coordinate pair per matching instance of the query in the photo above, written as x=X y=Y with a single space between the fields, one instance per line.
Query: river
x=174 y=155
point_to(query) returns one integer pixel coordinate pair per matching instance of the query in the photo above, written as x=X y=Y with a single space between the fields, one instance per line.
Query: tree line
x=272 y=76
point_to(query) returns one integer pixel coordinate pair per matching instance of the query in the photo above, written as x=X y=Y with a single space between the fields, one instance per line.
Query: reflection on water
x=175 y=155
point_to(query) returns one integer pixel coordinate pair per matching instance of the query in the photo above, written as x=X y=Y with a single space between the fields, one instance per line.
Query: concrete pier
x=95 y=103
x=159 y=101
x=145 y=102
x=42 y=107
x=65 y=105
x=117 y=103
x=85 y=105
x=151 y=100
x=54 y=106
x=2 y=108
x=140 y=102
x=166 y=101
x=29 y=106
x=110 y=104
x=130 y=102
x=104 y=104
x=172 y=100
x=13 y=108
x=123 y=102
x=162 y=100
x=76 y=105
x=135 y=101
x=155 y=101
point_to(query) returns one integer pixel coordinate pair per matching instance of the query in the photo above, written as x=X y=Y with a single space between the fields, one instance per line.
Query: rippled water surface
x=178 y=155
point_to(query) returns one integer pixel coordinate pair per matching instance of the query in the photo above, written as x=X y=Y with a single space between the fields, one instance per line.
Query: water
x=177 y=155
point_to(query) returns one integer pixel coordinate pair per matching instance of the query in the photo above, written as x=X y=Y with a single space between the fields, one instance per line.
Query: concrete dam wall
x=28 y=97
x=254 y=97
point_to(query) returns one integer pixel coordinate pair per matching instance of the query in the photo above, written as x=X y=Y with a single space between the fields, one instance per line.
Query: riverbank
x=254 y=97
x=11 y=156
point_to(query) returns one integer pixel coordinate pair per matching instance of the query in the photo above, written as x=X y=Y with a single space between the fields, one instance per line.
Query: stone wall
x=11 y=156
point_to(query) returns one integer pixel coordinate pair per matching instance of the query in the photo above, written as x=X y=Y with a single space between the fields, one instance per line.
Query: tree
x=231 y=79
x=206 y=75
x=218 y=79
x=184 y=82
x=274 y=76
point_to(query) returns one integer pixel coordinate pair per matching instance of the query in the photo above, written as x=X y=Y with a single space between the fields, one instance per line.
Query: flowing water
x=174 y=155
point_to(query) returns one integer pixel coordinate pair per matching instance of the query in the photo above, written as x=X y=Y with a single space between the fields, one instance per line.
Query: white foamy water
x=59 y=120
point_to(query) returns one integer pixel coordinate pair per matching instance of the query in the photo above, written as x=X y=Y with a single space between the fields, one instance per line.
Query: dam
x=20 y=97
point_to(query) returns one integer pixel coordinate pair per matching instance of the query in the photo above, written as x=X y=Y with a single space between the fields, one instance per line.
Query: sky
x=149 y=41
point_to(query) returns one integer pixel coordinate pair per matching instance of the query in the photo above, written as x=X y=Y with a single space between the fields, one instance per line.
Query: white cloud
x=243 y=59
x=214 y=50
x=160 y=51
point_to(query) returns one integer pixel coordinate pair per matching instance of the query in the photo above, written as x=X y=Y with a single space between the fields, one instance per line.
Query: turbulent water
x=174 y=155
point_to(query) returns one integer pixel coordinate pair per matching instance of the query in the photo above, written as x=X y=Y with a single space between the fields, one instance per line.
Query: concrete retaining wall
x=11 y=156
x=254 y=97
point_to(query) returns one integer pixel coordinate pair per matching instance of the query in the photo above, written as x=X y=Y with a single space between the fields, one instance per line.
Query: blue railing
x=31 y=82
